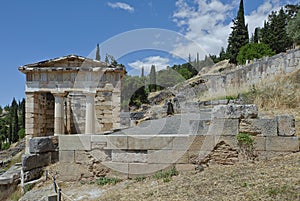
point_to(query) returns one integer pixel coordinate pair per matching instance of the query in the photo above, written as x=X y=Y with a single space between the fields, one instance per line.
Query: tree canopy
x=254 y=51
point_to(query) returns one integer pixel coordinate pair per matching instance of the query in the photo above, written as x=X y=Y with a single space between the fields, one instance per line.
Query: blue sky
x=35 y=30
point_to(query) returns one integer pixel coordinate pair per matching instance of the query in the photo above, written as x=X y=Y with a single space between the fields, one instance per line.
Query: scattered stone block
x=286 y=125
x=32 y=161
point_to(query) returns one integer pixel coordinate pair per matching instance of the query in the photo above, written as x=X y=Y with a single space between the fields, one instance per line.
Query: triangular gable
x=68 y=61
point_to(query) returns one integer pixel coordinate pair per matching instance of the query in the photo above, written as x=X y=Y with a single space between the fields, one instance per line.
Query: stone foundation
x=209 y=141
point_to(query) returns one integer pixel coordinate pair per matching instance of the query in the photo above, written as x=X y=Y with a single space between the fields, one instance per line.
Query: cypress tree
x=98 y=53
x=152 y=85
x=239 y=35
x=143 y=72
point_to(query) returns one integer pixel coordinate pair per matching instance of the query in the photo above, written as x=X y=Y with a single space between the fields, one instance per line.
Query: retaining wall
x=208 y=141
x=243 y=77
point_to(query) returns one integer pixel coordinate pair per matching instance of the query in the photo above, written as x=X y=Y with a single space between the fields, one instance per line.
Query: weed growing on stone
x=246 y=142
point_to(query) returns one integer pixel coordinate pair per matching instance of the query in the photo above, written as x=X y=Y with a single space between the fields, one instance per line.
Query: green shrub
x=245 y=139
x=105 y=180
x=166 y=175
x=21 y=133
x=246 y=142
x=5 y=145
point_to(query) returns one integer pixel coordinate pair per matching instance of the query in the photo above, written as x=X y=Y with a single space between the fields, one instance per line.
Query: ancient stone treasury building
x=72 y=95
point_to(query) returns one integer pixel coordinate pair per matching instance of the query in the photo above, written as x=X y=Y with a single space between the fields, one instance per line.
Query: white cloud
x=121 y=5
x=208 y=22
x=159 y=62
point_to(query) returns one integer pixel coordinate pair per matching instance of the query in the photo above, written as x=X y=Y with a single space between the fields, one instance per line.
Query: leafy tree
x=252 y=51
x=293 y=29
x=239 y=35
x=152 y=79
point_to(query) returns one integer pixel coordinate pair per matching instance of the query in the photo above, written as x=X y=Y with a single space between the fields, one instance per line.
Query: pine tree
x=98 y=53
x=239 y=35
x=274 y=32
x=152 y=78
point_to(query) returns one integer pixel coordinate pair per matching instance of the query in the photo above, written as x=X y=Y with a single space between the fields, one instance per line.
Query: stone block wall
x=243 y=77
x=39 y=114
x=209 y=141
x=43 y=151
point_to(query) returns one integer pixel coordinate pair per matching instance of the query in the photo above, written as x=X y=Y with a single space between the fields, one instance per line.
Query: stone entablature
x=63 y=93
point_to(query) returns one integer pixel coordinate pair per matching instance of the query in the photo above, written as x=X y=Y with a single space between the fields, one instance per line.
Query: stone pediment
x=68 y=63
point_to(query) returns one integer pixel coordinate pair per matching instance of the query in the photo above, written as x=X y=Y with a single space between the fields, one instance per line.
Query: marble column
x=59 y=114
x=90 y=113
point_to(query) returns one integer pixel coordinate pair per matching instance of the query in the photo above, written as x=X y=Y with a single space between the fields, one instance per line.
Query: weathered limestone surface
x=264 y=127
x=32 y=161
x=41 y=145
x=286 y=125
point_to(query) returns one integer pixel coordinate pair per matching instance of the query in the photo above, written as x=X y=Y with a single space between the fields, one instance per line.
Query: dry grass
x=277 y=179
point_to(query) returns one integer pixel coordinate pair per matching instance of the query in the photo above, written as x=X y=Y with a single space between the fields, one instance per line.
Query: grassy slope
x=277 y=179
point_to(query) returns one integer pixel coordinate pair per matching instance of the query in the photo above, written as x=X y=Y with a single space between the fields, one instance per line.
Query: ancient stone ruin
x=72 y=101
x=67 y=95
